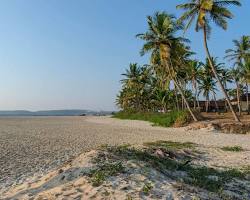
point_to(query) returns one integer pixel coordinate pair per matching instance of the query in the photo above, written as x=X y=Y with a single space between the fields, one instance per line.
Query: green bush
x=159 y=119
x=233 y=148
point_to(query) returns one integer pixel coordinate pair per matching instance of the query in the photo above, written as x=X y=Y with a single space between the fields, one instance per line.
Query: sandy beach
x=36 y=145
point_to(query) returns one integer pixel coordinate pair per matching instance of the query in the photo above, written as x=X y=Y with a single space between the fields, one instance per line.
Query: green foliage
x=183 y=118
x=158 y=119
x=147 y=188
x=204 y=177
x=202 y=12
x=233 y=148
x=171 y=145
x=246 y=169
x=169 y=55
x=99 y=175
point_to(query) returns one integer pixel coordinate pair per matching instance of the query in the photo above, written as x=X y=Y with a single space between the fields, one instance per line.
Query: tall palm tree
x=206 y=87
x=159 y=39
x=194 y=74
x=236 y=74
x=246 y=78
x=134 y=86
x=180 y=59
x=226 y=78
x=203 y=11
x=240 y=56
x=240 y=52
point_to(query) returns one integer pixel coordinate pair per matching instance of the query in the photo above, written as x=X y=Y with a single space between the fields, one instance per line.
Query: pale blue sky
x=63 y=54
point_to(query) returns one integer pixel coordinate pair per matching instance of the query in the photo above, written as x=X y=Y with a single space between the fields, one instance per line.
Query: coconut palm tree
x=207 y=87
x=160 y=39
x=132 y=74
x=236 y=75
x=239 y=55
x=202 y=12
x=226 y=78
x=240 y=52
x=246 y=78
x=180 y=59
x=194 y=74
x=135 y=86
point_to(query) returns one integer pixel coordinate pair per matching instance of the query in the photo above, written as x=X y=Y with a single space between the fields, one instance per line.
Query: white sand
x=36 y=145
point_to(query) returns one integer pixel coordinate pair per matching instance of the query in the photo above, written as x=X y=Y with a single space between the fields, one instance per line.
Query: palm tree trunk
x=182 y=100
x=176 y=97
x=247 y=99
x=165 y=63
x=195 y=93
x=185 y=100
x=182 y=103
x=216 y=75
x=215 y=101
x=207 y=103
x=238 y=96
x=197 y=97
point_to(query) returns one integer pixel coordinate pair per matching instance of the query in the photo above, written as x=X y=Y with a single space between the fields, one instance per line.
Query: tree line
x=173 y=79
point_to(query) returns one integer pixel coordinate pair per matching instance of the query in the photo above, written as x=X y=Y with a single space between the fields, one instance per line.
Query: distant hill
x=53 y=113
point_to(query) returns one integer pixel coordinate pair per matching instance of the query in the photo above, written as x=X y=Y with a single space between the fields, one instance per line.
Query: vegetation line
x=165 y=83
x=177 y=118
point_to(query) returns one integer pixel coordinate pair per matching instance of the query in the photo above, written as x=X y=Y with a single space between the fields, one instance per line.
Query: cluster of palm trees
x=173 y=79
x=240 y=56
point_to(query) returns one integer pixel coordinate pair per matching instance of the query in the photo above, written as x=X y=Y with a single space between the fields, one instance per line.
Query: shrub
x=179 y=118
x=233 y=148
x=183 y=119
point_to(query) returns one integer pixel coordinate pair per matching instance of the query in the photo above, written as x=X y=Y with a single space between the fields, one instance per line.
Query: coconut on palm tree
x=159 y=40
x=202 y=12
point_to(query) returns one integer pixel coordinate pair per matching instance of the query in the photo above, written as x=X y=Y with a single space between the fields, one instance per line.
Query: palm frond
x=227 y=2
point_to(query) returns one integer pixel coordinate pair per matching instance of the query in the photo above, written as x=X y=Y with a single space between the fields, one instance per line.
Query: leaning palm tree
x=159 y=40
x=203 y=11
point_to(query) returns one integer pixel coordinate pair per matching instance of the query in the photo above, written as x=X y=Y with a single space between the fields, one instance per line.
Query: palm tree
x=236 y=75
x=161 y=97
x=194 y=74
x=246 y=78
x=132 y=74
x=159 y=40
x=207 y=86
x=226 y=78
x=239 y=55
x=203 y=11
x=240 y=52
x=134 y=86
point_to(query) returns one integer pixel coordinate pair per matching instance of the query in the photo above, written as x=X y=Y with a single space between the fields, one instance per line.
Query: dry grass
x=224 y=117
